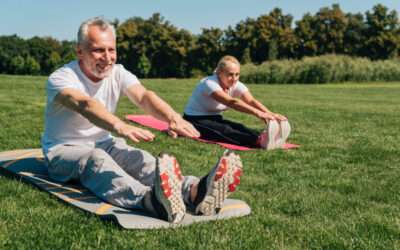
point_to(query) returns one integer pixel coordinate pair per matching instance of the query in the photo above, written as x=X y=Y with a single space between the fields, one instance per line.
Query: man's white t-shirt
x=202 y=103
x=65 y=126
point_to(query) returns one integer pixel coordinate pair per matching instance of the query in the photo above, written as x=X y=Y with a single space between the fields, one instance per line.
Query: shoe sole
x=170 y=189
x=223 y=180
x=284 y=134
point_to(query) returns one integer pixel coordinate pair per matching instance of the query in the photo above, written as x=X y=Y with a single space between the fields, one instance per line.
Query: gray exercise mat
x=29 y=165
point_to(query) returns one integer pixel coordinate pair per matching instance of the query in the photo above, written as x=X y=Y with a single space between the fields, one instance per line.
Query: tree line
x=154 y=47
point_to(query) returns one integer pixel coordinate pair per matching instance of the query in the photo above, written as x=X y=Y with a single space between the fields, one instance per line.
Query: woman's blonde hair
x=223 y=62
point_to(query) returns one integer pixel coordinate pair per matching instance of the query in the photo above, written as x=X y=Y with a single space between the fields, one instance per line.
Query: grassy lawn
x=340 y=190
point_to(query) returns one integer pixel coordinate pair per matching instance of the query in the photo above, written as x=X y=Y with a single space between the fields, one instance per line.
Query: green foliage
x=45 y=51
x=338 y=191
x=10 y=48
x=17 y=65
x=166 y=47
x=353 y=37
x=206 y=50
x=322 y=33
x=144 y=66
x=53 y=61
x=196 y=73
x=267 y=37
x=272 y=50
x=246 y=56
x=33 y=56
x=28 y=66
x=322 y=69
x=32 y=67
x=382 y=33
x=154 y=47
x=67 y=52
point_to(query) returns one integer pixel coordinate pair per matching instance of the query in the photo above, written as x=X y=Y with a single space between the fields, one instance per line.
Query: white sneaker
x=268 y=136
x=284 y=134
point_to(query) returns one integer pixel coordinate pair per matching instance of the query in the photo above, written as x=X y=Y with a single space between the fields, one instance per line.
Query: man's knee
x=96 y=158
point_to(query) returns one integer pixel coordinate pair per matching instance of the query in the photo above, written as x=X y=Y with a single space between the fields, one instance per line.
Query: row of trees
x=155 y=48
x=33 y=56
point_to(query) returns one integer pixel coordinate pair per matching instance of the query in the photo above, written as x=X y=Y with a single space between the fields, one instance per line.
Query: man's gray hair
x=101 y=22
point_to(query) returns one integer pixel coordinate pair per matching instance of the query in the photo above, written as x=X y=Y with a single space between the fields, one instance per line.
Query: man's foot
x=284 y=134
x=269 y=135
x=167 y=191
x=215 y=187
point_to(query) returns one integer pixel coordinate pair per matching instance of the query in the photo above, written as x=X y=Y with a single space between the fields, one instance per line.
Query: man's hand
x=133 y=133
x=178 y=126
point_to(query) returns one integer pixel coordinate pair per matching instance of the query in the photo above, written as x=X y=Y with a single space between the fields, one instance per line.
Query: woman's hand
x=267 y=116
x=280 y=117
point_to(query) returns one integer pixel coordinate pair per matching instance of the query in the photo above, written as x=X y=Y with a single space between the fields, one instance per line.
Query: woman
x=222 y=90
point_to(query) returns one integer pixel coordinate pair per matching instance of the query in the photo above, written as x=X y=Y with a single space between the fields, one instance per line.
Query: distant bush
x=322 y=69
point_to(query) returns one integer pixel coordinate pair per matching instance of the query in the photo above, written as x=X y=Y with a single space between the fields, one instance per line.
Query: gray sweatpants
x=114 y=171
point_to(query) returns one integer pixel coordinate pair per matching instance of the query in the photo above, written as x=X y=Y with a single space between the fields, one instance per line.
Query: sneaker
x=167 y=191
x=268 y=136
x=284 y=134
x=215 y=187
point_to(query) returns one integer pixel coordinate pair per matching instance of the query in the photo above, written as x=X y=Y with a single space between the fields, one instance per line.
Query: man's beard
x=101 y=73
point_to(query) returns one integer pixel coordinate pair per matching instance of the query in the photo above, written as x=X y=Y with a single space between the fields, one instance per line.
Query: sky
x=61 y=19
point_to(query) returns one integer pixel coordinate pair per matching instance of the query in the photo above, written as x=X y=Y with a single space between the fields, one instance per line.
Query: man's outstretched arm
x=97 y=114
x=155 y=106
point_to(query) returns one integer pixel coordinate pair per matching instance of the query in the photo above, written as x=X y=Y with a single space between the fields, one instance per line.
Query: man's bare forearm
x=92 y=110
x=157 y=107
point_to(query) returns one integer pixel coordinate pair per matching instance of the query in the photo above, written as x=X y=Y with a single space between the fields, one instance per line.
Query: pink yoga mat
x=151 y=122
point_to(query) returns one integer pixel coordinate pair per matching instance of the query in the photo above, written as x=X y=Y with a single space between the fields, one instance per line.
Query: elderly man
x=77 y=142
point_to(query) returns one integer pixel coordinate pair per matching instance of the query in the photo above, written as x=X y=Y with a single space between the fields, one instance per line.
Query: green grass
x=340 y=190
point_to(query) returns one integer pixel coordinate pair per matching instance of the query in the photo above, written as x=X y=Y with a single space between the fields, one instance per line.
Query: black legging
x=215 y=128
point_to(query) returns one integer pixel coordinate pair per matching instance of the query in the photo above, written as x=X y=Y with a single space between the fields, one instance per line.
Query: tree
x=144 y=66
x=381 y=33
x=354 y=34
x=268 y=35
x=272 y=50
x=31 y=67
x=67 y=52
x=283 y=40
x=330 y=28
x=246 y=56
x=17 y=65
x=41 y=49
x=10 y=48
x=207 y=49
x=164 y=45
x=323 y=33
x=305 y=32
x=237 y=39
x=53 y=61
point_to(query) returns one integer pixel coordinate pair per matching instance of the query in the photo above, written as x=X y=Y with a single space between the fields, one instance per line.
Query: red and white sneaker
x=215 y=187
x=167 y=189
